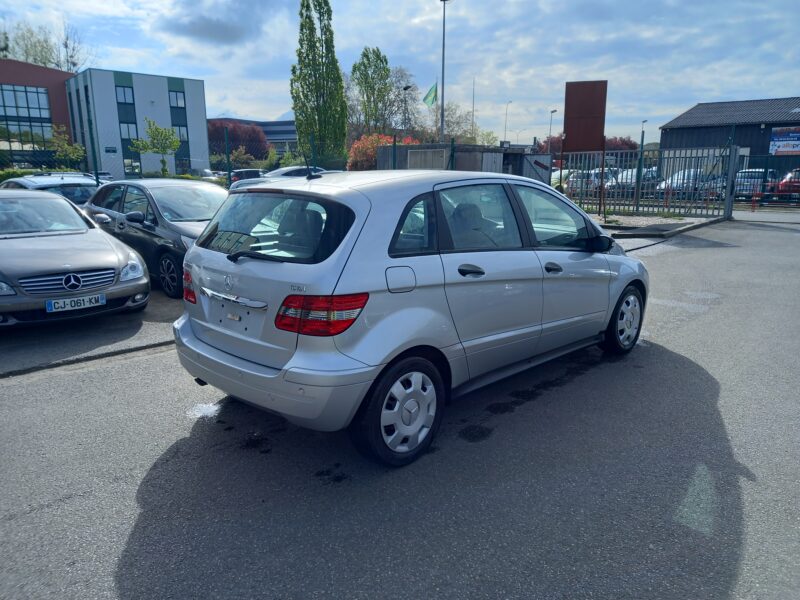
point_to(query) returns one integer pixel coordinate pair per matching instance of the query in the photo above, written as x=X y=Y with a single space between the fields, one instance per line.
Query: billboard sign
x=585 y=116
x=785 y=141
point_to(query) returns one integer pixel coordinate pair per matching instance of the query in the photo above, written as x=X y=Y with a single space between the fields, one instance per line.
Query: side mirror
x=101 y=219
x=135 y=216
x=601 y=243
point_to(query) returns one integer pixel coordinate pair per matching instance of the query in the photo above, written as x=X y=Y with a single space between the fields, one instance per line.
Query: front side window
x=135 y=200
x=416 y=231
x=283 y=228
x=111 y=199
x=480 y=217
x=555 y=223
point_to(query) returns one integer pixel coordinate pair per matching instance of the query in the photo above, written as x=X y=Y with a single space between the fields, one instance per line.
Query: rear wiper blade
x=251 y=254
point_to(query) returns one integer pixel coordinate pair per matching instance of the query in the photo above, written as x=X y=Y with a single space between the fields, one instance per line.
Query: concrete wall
x=196 y=122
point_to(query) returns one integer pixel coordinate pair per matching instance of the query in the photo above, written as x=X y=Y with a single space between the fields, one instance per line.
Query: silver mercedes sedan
x=56 y=264
x=366 y=300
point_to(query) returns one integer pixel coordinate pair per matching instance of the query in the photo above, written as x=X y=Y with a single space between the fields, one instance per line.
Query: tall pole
x=505 y=124
x=639 y=172
x=473 y=109
x=441 y=99
x=550 y=131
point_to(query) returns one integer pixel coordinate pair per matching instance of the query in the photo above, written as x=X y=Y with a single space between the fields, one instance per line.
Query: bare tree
x=71 y=54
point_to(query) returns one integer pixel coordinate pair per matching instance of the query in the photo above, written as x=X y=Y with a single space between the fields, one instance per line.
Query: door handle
x=552 y=267
x=121 y=225
x=471 y=271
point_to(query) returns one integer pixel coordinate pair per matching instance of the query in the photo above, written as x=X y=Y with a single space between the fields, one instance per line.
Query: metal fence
x=685 y=182
x=767 y=181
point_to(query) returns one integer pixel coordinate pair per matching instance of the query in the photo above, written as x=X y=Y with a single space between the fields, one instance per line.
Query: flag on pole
x=432 y=95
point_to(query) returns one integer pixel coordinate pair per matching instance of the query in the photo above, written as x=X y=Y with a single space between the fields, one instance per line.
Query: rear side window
x=287 y=228
x=480 y=217
x=416 y=231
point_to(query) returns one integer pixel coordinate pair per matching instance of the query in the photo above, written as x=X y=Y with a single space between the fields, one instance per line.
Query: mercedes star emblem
x=228 y=283
x=72 y=282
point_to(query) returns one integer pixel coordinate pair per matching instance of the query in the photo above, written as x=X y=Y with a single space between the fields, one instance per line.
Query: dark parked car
x=239 y=174
x=160 y=218
x=56 y=264
x=77 y=187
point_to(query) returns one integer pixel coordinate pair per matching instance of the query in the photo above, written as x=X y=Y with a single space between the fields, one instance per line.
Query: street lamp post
x=550 y=131
x=405 y=108
x=520 y=131
x=505 y=124
x=441 y=99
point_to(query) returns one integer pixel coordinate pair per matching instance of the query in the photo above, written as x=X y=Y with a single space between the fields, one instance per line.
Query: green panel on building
x=123 y=79
x=175 y=84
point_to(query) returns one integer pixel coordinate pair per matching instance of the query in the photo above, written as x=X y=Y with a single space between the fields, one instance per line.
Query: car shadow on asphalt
x=33 y=346
x=584 y=477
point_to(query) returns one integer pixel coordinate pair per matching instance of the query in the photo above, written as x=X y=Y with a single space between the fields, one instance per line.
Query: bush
x=11 y=173
x=364 y=151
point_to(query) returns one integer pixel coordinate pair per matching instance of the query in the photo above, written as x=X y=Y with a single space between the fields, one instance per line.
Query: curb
x=666 y=234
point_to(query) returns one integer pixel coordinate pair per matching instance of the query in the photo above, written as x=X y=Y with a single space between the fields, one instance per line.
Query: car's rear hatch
x=298 y=245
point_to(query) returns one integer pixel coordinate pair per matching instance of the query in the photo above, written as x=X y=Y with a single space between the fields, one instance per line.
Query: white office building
x=108 y=109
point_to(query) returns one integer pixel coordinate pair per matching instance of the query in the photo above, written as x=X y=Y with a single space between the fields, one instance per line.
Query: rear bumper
x=321 y=400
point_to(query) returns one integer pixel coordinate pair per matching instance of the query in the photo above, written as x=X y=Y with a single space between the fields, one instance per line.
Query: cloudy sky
x=660 y=58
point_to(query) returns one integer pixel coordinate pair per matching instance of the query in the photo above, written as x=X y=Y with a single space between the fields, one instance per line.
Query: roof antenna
x=310 y=174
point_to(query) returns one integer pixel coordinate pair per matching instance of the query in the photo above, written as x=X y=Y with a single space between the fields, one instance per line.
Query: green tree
x=67 y=153
x=240 y=159
x=160 y=140
x=316 y=84
x=372 y=77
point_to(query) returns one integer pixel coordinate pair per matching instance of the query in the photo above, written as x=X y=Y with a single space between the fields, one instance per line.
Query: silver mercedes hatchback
x=366 y=300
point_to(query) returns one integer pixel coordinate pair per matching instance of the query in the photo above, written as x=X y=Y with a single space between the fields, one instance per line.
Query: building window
x=124 y=95
x=182 y=132
x=177 y=99
x=132 y=166
x=25 y=125
x=182 y=166
x=128 y=131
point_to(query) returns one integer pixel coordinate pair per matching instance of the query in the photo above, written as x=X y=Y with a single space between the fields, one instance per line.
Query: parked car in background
x=159 y=218
x=239 y=174
x=277 y=175
x=56 y=264
x=789 y=187
x=342 y=301
x=581 y=183
x=625 y=182
x=558 y=179
x=752 y=181
x=102 y=176
x=691 y=182
x=293 y=171
x=76 y=187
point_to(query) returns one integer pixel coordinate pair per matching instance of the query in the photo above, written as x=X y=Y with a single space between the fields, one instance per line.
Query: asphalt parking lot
x=673 y=472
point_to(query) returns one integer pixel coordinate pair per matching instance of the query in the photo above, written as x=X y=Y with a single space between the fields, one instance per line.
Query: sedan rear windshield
x=79 y=193
x=38 y=215
x=286 y=228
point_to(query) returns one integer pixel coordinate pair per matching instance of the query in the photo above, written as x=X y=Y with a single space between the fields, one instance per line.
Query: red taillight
x=188 y=290
x=320 y=315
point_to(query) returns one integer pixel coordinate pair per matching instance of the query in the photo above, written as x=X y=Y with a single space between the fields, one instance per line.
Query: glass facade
x=25 y=123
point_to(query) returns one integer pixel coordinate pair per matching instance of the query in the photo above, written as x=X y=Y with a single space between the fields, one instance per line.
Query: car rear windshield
x=189 y=203
x=38 y=215
x=77 y=192
x=286 y=228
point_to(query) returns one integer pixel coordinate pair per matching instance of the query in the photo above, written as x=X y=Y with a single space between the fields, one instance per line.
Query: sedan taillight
x=320 y=315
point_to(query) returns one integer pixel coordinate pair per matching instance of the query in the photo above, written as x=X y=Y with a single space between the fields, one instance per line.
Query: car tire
x=625 y=325
x=170 y=275
x=401 y=414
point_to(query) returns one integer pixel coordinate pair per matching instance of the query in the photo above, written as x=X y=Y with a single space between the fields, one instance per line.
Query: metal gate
x=693 y=182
